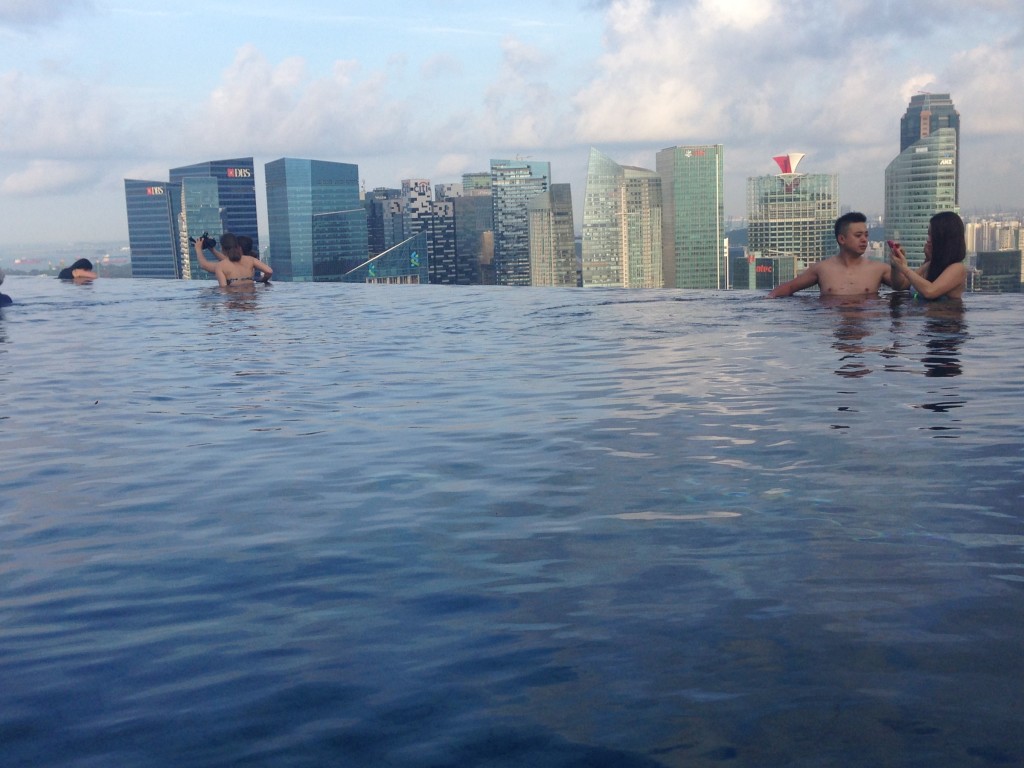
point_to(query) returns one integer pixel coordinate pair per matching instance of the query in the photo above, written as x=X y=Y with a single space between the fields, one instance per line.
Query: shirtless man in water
x=847 y=273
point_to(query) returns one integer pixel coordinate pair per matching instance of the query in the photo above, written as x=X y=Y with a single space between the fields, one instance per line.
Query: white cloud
x=48 y=177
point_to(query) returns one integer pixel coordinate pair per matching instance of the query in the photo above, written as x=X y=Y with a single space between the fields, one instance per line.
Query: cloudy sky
x=96 y=91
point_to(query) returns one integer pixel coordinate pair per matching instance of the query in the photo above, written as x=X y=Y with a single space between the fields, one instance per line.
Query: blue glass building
x=153 y=210
x=214 y=197
x=236 y=193
x=317 y=223
x=201 y=213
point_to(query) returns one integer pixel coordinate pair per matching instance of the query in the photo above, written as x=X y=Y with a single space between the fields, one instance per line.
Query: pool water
x=317 y=525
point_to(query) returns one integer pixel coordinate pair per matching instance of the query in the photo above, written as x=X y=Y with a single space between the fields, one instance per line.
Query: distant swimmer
x=81 y=272
x=236 y=268
x=849 y=272
x=5 y=300
x=943 y=274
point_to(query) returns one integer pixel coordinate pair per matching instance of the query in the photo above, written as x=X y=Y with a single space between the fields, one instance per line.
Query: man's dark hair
x=82 y=264
x=245 y=243
x=844 y=221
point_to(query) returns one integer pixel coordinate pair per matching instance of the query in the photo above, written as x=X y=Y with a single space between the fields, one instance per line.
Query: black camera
x=208 y=243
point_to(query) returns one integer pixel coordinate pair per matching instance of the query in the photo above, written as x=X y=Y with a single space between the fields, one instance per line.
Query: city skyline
x=437 y=92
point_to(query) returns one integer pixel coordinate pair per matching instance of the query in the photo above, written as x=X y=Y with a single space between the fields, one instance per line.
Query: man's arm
x=952 y=277
x=805 y=279
x=266 y=270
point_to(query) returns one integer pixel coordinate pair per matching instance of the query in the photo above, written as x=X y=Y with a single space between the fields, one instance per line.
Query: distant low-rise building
x=999 y=272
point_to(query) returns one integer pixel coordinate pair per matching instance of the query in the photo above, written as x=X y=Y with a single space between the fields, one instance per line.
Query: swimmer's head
x=229 y=246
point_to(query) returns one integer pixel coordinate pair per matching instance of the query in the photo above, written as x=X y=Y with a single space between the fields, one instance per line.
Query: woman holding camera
x=235 y=268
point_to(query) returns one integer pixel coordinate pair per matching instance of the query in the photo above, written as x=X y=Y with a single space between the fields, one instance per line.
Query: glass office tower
x=236 y=192
x=385 y=223
x=201 y=213
x=153 y=208
x=513 y=183
x=552 y=238
x=793 y=214
x=219 y=196
x=622 y=225
x=317 y=223
x=923 y=179
x=474 y=238
x=693 y=217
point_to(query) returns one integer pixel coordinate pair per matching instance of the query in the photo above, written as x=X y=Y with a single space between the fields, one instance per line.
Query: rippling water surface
x=348 y=525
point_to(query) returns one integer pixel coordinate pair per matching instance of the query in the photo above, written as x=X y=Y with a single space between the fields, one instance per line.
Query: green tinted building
x=622 y=225
x=695 y=252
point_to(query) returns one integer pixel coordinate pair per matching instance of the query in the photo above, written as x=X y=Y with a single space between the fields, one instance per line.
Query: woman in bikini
x=943 y=274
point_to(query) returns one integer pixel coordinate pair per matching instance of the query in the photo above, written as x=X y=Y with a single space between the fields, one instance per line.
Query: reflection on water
x=358 y=525
x=891 y=335
x=853 y=317
x=946 y=331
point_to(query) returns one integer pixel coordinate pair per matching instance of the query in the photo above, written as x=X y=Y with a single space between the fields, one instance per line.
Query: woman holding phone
x=943 y=274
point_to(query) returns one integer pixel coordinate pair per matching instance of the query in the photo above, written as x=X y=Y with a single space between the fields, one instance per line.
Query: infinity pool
x=422 y=526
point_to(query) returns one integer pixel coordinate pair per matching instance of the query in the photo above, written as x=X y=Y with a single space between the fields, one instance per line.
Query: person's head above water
x=843 y=222
x=229 y=246
x=946 y=242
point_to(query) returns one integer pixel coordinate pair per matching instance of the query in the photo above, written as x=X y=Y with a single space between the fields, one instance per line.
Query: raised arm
x=952 y=277
x=893 y=275
x=205 y=263
x=805 y=279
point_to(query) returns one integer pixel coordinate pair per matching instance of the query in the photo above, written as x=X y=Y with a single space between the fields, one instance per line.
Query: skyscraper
x=696 y=254
x=552 y=238
x=474 y=237
x=153 y=209
x=201 y=212
x=924 y=178
x=622 y=225
x=213 y=196
x=384 y=219
x=513 y=183
x=793 y=214
x=236 y=192
x=317 y=222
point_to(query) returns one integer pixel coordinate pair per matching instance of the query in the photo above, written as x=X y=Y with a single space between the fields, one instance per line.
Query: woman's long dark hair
x=948 y=243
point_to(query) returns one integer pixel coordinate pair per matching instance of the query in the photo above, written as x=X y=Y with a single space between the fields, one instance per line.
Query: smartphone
x=892 y=243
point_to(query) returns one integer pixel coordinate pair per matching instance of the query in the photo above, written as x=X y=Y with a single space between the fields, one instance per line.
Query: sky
x=94 y=91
